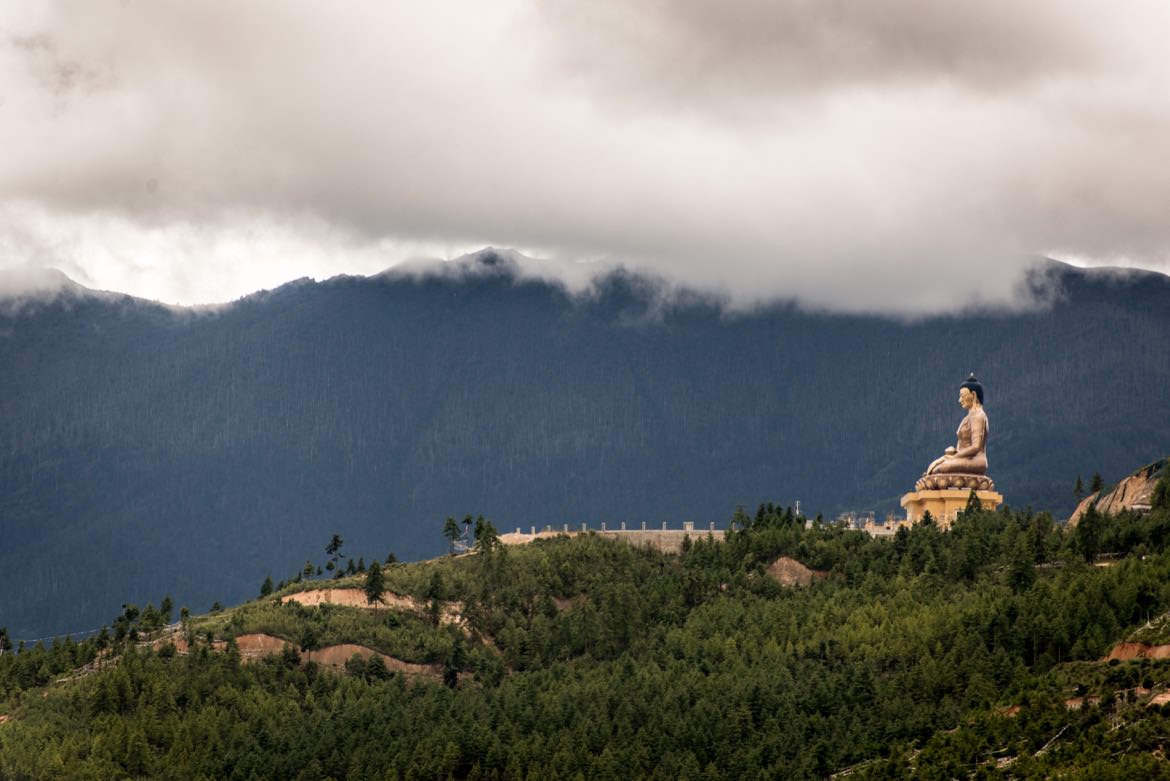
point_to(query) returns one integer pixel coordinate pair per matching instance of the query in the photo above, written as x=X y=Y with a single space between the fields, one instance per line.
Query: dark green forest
x=186 y=449
x=931 y=654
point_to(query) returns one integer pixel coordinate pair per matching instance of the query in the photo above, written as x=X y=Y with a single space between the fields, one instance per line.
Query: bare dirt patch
x=176 y=639
x=1076 y=703
x=450 y=612
x=519 y=538
x=257 y=646
x=1126 y=651
x=1159 y=699
x=790 y=572
x=349 y=597
x=254 y=646
x=338 y=655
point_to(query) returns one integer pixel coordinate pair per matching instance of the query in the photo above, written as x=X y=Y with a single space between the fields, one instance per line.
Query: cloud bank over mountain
x=906 y=157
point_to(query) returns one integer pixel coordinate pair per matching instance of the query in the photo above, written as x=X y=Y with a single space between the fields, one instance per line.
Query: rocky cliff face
x=1132 y=493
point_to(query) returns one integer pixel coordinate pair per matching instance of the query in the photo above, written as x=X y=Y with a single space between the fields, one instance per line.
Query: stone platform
x=945 y=504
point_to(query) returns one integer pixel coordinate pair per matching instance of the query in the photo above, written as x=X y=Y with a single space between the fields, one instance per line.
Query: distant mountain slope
x=147 y=450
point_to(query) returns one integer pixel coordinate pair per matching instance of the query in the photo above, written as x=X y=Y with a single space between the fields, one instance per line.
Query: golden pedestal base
x=946 y=504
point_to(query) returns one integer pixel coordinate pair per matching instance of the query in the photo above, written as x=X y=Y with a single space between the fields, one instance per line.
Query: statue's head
x=973 y=385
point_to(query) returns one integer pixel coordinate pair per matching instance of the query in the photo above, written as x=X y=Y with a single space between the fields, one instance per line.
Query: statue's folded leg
x=969 y=466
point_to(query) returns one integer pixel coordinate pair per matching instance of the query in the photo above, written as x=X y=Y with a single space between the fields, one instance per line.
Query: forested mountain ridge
x=147 y=449
x=975 y=652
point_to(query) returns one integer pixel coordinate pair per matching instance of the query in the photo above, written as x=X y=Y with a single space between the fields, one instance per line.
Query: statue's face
x=966 y=398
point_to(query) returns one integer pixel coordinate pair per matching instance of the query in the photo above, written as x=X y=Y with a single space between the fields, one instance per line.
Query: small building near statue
x=950 y=480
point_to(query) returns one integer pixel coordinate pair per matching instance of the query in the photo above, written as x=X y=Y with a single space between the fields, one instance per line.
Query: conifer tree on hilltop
x=333 y=549
x=375 y=584
x=487 y=538
x=451 y=533
x=1160 y=498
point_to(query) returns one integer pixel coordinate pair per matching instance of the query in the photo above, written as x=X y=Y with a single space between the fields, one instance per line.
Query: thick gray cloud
x=680 y=51
x=903 y=156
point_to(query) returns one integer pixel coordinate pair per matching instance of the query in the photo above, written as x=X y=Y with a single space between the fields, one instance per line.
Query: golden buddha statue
x=965 y=465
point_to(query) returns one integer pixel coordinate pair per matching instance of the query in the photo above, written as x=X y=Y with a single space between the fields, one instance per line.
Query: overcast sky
x=905 y=155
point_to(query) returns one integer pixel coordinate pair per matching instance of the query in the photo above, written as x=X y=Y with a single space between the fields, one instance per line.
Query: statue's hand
x=950 y=451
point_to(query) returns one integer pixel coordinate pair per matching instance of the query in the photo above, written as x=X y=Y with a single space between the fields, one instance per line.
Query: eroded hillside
x=927 y=653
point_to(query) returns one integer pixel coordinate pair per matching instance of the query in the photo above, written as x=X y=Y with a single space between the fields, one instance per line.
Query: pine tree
x=1160 y=497
x=1088 y=534
x=451 y=532
x=455 y=662
x=333 y=549
x=487 y=538
x=375 y=585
